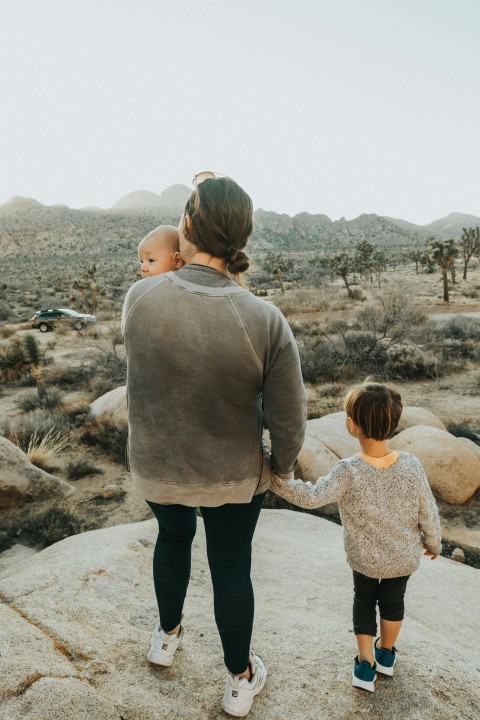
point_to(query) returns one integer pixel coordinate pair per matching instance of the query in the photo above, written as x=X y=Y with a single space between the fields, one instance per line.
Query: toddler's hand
x=429 y=553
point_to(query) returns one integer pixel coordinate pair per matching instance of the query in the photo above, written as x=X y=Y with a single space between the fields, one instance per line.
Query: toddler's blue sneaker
x=364 y=675
x=386 y=659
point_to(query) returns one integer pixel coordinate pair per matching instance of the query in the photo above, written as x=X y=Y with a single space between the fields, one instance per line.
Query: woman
x=208 y=362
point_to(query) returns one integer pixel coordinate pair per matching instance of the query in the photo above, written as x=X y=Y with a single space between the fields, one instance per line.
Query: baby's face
x=156 y=257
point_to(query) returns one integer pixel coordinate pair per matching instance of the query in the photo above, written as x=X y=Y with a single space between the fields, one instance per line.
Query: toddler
x=159 y=251
x=388 y=513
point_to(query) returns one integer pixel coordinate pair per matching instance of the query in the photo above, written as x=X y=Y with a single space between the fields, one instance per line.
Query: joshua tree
x=340 y=265
x=443 y=254
x=363 y=259
x=469 y=245
x=276 y=263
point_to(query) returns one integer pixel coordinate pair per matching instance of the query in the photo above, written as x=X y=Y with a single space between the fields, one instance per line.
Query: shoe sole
x=157 y=661
x=368 y=685
x=386 y=670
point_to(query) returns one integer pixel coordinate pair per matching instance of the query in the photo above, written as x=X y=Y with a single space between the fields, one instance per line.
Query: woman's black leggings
x=229 y=531
x=388 y=593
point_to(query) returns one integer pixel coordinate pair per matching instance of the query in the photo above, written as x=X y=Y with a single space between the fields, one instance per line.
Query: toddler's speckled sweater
x=386 y=512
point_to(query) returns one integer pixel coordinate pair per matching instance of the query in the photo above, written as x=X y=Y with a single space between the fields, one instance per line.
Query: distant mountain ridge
x=28 y=226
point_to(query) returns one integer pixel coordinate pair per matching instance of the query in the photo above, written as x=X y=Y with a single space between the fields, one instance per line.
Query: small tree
x=443 y=253
x=469 y=245
x=275 y=264
x=363 y=259
x=340 y=265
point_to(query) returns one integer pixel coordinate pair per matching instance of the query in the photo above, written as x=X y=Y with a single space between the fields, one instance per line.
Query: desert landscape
x=364 y=298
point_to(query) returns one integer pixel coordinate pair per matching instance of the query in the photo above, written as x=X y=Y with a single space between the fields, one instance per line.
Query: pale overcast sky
x=329 y=106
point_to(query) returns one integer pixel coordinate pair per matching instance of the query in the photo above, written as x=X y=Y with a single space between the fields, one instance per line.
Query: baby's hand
x=429 y=553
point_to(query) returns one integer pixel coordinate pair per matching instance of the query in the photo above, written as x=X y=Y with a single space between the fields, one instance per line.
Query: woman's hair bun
x=237 y=261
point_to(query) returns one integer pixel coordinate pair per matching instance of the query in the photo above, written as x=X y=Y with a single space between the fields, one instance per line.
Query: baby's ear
x=177 y=261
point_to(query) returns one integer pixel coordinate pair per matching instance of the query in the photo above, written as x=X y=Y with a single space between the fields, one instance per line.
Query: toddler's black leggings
x=229 y=531
x=388 y=593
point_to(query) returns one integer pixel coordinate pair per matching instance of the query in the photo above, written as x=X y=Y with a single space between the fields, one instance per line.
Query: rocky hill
x=74 y=635
x=28 y=227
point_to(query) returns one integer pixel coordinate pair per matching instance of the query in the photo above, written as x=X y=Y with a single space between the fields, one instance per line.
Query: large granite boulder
x=74 y=635
x=113 y=404
x=452 y=468
x=418 y=416
x=22 y=483
x=315 y=460
x=332 y=432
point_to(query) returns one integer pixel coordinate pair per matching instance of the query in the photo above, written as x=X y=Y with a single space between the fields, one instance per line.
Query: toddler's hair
x=376 y=408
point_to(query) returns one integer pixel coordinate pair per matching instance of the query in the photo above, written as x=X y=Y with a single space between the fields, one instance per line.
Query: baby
x=159 y=251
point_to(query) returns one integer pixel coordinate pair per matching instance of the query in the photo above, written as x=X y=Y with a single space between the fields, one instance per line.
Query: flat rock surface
x=77 y=619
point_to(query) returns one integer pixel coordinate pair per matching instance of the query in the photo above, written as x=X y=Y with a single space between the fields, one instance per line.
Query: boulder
x=473 y=447
x=332 y=432
x=22 y=483
x=316 y=459
x=452 y=468
x=113 y=403
x=419 y=416
x=74 y=635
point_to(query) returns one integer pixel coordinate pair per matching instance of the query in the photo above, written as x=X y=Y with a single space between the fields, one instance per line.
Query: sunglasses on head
x=205 y=175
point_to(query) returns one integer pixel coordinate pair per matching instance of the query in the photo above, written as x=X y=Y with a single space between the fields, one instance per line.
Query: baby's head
x=159 y=251
x=375 y=408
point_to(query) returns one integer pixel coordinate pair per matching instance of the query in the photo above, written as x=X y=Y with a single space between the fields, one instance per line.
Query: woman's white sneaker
x=163 y=646
x=239 y=692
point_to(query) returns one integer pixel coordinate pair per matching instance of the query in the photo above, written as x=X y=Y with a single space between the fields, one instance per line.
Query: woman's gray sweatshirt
x=386 y=513
x=207 y=361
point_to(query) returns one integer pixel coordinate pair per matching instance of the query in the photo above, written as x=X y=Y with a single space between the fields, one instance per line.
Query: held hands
x=428 y=553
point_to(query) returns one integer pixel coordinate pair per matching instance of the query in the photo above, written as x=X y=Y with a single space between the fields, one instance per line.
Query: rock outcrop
x=332 y=432
x=74 y=634
x=22 y=483
x=453 y=469
x=413 y=415
x=113 y=403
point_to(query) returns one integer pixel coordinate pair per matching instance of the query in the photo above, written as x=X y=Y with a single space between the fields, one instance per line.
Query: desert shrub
x=465 y=431
x=101 y=385
x=108 y=436
x=319 y=359
x=460 y=328
x=110 y=366
x=6 y=331
x=331 y=389
x=79 y=468
x=41 y=398
x=409 y=362
x=302 y=301
x=459 y=349
x=69 y=376
x=75 y=414
x=15 y=363
x=32 y=349
x=37 y=424
x=42 y=449
x=357 y=295
x=363 y=350
x=5 y=310
x=58 y=522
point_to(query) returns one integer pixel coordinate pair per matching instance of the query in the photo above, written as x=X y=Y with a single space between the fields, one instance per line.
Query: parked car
x=46 y=320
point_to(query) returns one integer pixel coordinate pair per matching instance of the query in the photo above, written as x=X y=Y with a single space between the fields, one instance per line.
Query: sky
x=339 y=107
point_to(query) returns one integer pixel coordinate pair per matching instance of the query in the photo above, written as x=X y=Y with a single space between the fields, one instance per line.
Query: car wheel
x=43 y=327
x=80 y=325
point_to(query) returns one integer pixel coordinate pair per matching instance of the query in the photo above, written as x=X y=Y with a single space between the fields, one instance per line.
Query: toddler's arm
x=428 y=518
x=328 y=489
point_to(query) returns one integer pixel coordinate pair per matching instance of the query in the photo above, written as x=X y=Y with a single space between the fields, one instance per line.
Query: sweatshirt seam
x=247 y=337
x=135 y=302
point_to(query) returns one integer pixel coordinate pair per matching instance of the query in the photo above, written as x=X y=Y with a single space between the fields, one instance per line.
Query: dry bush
x=6 y=331
x=43 y=449
x=108 y=436
x=409 y=362
x=41 y=398
x=79 y=468
x=58 y=522
x=69 y=376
